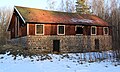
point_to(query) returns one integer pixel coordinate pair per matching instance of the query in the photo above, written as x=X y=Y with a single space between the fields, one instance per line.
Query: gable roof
x=44 y=16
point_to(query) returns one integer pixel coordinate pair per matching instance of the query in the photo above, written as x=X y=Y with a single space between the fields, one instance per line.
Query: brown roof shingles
x=45 y=16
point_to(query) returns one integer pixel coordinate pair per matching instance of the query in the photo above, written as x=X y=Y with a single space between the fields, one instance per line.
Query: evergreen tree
x=82 y=8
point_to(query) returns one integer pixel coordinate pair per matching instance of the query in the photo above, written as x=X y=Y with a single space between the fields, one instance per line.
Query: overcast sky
x=27 y=3
x=42 y=4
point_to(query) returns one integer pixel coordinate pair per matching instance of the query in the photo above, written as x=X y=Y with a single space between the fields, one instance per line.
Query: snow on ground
x=58 y=63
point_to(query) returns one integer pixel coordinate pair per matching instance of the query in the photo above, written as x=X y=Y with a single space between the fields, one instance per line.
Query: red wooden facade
x=51 y=29
x=19 y=28
x=16 y=27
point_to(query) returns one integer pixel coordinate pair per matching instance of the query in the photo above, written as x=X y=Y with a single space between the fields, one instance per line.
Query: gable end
x=20 y=15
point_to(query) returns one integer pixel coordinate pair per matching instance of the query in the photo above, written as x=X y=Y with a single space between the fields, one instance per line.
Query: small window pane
x=79 y=30
x=39 y=29
x=93 y=30
x=61 y=29
x=106 y=30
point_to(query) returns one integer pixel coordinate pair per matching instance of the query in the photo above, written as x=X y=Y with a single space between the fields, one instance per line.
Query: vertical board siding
x=31 y=29
x=99 y=30
x=12 y=27
x=70 y=30
x=87 y=30
x=53 y=30
x=50 y=29
x=23 y=30
x=47 y=29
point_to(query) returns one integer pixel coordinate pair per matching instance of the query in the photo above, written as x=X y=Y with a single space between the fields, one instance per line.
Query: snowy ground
x=57 y=63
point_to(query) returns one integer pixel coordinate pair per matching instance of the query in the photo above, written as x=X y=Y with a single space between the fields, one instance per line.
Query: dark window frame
x=79 y=31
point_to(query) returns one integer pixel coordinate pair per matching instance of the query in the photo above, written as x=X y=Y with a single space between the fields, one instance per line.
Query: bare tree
x=97 y=7
x=51 y=4
x=67 y=6
x=5 y=14
x=115 y=25
x=109 y=10
x=62 y=6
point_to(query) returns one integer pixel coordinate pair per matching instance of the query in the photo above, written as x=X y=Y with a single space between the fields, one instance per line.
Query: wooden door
x=56 y=45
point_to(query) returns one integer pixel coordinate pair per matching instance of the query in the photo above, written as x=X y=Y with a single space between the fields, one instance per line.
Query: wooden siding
x=15 y=31
x=87 y=30
x=12 y=31
x=51 y=29
x=19 y=28
x=31 y=29
x=48 y=29
x=99 y=30
x=70 y=30
x=23 y=31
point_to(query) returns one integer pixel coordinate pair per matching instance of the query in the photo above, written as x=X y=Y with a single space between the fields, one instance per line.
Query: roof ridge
x=47 y=10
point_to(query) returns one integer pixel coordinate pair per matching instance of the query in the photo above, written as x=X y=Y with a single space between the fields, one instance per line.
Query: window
x=106 y=30
x=79 y=30
x=39 y=29
x=61 y=29
x=93 y=30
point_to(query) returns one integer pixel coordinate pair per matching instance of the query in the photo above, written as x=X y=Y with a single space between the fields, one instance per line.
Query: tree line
x=5 y=14
x=109 y=10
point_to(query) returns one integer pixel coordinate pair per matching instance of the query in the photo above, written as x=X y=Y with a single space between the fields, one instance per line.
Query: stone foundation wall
x=68 y=43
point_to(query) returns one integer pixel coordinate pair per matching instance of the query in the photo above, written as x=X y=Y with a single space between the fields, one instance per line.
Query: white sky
x=42 y=4
x=27 y=3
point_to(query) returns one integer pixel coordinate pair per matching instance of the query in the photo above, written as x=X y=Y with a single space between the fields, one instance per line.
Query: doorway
x=56 y=45
x=97 y=44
